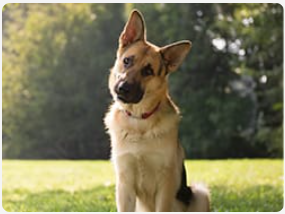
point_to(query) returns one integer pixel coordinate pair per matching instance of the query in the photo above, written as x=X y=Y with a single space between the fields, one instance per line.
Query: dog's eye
x=147 y=71
x=128 y=61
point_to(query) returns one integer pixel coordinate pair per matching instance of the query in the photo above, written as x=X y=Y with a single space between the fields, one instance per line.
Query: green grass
x=236 y=185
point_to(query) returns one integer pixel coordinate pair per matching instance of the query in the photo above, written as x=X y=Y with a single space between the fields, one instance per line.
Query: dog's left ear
x=134 y=29
x=175 y=53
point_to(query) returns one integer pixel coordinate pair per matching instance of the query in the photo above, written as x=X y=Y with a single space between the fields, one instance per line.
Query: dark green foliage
x=56 y=59
x=64 y=70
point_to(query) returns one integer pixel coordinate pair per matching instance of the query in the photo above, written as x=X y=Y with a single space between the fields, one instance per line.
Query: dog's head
x=141 y=68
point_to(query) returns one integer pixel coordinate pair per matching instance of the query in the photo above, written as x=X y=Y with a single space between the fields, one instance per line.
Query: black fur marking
x=166 y=71
x=160 y=67
x=163 y=63
x=147 y=71
x=184 y=193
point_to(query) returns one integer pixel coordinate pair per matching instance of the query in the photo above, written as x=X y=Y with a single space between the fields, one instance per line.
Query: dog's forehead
x=142 y=51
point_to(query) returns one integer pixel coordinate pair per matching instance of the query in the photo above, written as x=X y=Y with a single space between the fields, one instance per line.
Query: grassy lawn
x=236 y=185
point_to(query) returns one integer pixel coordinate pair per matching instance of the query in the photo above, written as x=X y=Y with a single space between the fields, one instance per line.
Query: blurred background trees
x=56 y=59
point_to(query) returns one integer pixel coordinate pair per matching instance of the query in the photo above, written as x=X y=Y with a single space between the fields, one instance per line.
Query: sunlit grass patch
x=236 y=185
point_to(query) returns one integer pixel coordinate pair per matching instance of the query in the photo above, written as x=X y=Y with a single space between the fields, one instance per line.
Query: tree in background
x=56 y=59
x=55 y=69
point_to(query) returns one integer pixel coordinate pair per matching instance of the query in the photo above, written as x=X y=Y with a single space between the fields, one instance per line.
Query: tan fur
x=146 y=154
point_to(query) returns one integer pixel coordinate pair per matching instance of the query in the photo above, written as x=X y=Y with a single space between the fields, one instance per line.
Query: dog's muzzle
x=128 y=93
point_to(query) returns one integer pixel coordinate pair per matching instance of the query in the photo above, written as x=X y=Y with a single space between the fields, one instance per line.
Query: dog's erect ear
x=134 y=29
x=175 y=53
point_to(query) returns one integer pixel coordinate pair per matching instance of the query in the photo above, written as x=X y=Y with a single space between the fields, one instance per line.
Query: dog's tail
x=200 y=201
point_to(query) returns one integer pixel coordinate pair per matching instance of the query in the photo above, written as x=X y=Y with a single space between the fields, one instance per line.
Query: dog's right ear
x=134 y=29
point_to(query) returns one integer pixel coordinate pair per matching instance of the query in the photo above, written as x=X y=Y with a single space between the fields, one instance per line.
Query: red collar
x=144 y=115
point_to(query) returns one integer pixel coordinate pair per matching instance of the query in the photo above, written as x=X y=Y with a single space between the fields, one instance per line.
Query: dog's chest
x=143 y=151
x=148 y=153
x=144 y=158
x=145 y=163
x=151 y=168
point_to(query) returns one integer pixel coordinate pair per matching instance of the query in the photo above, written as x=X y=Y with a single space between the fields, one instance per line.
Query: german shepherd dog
x=143 y=126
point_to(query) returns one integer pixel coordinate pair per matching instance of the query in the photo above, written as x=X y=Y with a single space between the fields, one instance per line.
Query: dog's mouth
x=129 y=93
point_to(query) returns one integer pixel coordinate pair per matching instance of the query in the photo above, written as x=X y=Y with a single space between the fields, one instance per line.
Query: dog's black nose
x=123 y=88
x=128 y=92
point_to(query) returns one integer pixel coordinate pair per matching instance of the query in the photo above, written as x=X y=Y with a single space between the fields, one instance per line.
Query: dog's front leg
x=125 y=183
x=125 y=197
x=165 y=196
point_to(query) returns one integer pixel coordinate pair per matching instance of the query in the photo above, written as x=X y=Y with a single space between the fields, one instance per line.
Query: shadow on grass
x=255 y=198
